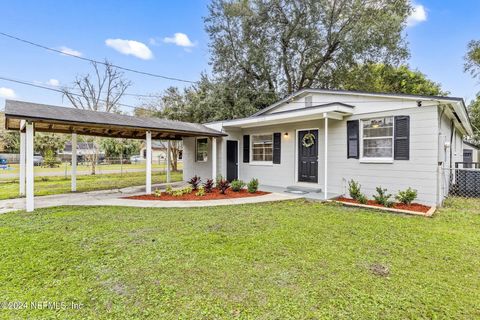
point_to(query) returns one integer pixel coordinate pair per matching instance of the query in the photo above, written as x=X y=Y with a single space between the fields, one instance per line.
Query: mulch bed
x=214 y=195
x=412 y=207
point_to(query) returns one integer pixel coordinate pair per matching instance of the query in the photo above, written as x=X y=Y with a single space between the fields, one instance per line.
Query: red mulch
x=214 y=195
x=412 y=207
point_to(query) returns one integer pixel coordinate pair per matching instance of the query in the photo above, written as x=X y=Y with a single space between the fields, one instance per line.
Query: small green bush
x=157 y=193
x=187 y=190
x=362 y=199
x=383 y=198
x=354 y=189
x=237 y=185
x=252 y=186
x=200 y=192
x=169 y=190
x=407 y=196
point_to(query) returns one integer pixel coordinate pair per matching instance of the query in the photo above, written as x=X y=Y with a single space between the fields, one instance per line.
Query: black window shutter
x=246 y=148
x=353 y=139
x=277 y=146
x=401 y=138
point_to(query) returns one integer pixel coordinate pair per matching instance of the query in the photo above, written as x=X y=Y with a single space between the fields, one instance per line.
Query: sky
x=168 y=38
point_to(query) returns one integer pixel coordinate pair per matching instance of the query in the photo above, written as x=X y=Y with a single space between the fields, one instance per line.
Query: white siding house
x=393 y=141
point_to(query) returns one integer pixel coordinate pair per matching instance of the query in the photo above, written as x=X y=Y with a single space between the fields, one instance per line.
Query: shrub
x=169 y=190
x=362 y=199
x=252 y=186
x=382 y=197
x=354 y=189
x=218 y=179
x=49 y=161
x=157 y=193
x=223 y=185
x=407 y=196
x=200 y=192
x=237 y=185
x=208 y=185
x=187 y=190
x=195 y=182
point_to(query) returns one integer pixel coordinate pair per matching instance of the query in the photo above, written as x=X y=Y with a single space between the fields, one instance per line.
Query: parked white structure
x=321 y=139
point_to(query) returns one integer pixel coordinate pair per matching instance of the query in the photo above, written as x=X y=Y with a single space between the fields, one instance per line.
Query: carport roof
x=47 y=118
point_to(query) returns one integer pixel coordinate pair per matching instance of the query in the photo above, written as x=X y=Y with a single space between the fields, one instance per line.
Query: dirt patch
x=214 y=195
x=416 y=207
x=379 y=270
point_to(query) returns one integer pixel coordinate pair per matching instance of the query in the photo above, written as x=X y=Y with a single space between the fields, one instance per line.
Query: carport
x=29 y=118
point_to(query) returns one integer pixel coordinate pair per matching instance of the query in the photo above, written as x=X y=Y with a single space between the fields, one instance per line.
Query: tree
x=472 y=58
x=472 y=65
x=280 y=46
x=48 y=143
x=377 y=77
x=116 y=148
x=10 y=141
x=474 y=113
x=100 y=92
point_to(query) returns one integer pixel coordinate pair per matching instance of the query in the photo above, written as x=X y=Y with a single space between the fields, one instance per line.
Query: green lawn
x=55 y=185
x=66 y=167
x=281 y=260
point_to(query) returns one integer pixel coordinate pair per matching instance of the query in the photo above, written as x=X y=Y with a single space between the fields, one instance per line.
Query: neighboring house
x=470 y=152
x=84 y=149
x=159 y=150
x=391 y=140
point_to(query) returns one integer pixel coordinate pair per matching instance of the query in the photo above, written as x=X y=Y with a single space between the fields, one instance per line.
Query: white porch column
x=22 y=164
x=74 y=162
x=214 y=158
x=148 y=178
x=325 y=174
x=29 y=135
x=169 y=151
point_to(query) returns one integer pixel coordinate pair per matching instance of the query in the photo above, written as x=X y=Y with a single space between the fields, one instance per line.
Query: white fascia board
x=335 y=112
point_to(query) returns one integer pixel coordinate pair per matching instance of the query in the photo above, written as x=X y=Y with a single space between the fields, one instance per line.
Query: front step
x=302 y=189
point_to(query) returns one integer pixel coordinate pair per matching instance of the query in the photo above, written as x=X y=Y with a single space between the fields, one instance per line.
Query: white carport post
x=325 y=173
x=169 y=151
x=22 y=163
x=29 y=167
x=148 y=180
x=74 y=162
x=214 y=158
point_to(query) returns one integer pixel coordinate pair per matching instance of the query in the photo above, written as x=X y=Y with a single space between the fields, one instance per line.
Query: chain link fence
x=463 y=180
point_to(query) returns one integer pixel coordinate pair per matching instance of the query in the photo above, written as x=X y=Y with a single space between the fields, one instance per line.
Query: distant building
x=84 y=149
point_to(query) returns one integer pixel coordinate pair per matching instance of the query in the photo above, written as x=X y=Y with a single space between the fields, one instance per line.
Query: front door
x=308 y=156
x=232 y=160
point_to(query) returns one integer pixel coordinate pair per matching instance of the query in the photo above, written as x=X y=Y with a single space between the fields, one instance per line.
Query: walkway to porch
x=115 y=198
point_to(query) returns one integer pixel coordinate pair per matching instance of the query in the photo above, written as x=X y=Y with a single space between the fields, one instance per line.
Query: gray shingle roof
x=41 y=112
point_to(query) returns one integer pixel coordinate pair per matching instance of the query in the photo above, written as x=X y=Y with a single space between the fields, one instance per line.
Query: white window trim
x=256 y=162
x=379 y=159
x=196 y=149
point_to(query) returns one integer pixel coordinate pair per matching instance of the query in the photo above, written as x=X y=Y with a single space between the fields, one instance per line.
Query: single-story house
x=159 y=150
x=84 y=150
x=321 y=139
x=470 y=152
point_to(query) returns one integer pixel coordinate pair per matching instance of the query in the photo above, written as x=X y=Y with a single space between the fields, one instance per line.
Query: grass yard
x=66 y=167
x=281 y=260
x=55 y=185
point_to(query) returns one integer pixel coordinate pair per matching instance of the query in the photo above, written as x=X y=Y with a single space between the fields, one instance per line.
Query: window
x=262 y=147
x=377 y=138
x=202 y=150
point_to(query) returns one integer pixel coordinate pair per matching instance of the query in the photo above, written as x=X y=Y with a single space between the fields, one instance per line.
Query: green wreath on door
x=308 y=140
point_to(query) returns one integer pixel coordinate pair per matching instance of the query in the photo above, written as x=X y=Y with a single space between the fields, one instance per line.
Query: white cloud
x=53 y=82
x=130 y=47
x=153 y=42
x=179 y=39
x=70 y=51
x=7 y=93
x=419 y=14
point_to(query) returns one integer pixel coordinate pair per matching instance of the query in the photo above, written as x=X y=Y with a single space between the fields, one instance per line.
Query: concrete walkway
x=114 y=198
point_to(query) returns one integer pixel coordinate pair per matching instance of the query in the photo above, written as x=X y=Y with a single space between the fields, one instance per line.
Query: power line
x=60 y=91
x=94 y=61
